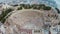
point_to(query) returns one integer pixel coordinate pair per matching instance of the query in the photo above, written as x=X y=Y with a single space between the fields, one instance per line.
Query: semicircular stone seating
x=29 y=20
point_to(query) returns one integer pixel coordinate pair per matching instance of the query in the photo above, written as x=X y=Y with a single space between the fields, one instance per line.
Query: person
x=49 y=32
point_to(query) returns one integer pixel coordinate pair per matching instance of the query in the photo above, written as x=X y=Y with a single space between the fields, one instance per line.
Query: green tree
x=42 y=6
x=22 y=5
x=46 y=8
x=4 y=14
x=19 y=8
x=59 y=23
x=14 y=5
x=27 y=6
x=57 y=10
x=36 y=6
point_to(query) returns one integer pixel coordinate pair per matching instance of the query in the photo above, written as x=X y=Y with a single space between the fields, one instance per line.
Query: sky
x=57 y=1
